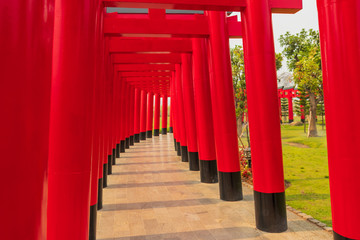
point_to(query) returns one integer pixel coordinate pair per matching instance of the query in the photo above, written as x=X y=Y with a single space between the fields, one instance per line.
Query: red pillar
x=291 y=109
x=150 y=111
x=96 y=188
x=180 y=116
x=340 y=44
x=302 y=110
x=157 y=115
x=189 y=113
x=143 y=115
x=127 y=117
x=117 y=107
x=171 y=129
x=226 y=142
x=164 y=115
x=175 y=115
x=266 y=150
x=203 y=110
x=25 y=73
x=137 y=115
x=122 y=116
x=132 y=117
x=70 y=120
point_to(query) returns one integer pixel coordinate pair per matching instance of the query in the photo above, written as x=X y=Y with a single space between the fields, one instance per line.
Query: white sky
x=306 y=18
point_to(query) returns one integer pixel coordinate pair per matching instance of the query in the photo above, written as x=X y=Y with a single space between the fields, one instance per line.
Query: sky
x=306 y=18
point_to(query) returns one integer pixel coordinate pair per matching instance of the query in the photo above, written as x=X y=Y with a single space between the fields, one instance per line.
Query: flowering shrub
x=246 y=172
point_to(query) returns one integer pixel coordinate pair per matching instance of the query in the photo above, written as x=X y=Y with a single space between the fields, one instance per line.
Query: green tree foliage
x=302 y=51
x=284 y=109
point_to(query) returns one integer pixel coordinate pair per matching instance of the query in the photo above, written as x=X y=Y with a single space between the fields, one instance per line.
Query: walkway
x=152 y=195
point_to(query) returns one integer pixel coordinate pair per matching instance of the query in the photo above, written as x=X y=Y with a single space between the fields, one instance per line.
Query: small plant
x=246 y=172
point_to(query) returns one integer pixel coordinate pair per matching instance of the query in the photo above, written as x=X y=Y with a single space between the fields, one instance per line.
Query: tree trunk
x=312 y=131
x=239 y=123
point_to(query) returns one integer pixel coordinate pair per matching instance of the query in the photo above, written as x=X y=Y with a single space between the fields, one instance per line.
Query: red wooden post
x=157 y=115
x=137 y=115
x=96 y=188
x=70 y=120
x=263 y=105
x=204 y=119
x=122 y=116
x=291 y=109
x=25 y=73
x=226 y=142
x=127 y=117
x=171 y=129
x=174 y=107
x=143 y=115
x=180 y=115
x=132 y=116
x=150 y=111
x=189 y=114
x=340 y=44
x=164 y=115
x=117 y=102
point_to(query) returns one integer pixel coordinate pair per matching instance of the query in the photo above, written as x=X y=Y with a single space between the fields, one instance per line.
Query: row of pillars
x=63 y=117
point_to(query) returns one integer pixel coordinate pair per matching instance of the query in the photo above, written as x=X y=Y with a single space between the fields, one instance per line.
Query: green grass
x=307 y=171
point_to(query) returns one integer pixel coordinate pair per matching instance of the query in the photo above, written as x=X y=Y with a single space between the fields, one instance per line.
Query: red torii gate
x=27 y=121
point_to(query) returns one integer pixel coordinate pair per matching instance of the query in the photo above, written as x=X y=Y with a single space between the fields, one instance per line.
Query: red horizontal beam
x=138 y=27
x=144 y=67
x=277 y=6
x=146 y=58
x=142 y=45
x=145 y=74
x=142 y=25
x=147 y=79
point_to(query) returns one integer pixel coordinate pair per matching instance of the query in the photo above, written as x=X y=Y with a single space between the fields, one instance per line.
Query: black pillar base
x=93 y=222
x=156 y=132
x=208 y=171
x=194 y=161
x=105 y=173
x=178 y=148
x=230 y=186
x=118 y=150
x=113 y=159
x=149 y=134
x=175 y=145
x=303 y=120
x=122 y=146
x=291 y=120
x=164 y=131
x=339 y=237
x=132 y=140
x=184 y=154
x=137 y=138
x=100 y=194
x=109 y=164
x=127 y=143
x=143 y=136
x=270 y=212
x=171 y=130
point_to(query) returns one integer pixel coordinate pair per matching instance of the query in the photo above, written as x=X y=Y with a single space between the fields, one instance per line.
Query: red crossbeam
x=277 y=6
x=146 y=58
x=145 y=74
x=164 y=25
x=154 y=45
x=144 y=67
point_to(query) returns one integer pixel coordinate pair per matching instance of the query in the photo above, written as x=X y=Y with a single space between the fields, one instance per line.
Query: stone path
x=153 y=196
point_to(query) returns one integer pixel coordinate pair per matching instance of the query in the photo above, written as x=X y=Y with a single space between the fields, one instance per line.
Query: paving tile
x=153 y=196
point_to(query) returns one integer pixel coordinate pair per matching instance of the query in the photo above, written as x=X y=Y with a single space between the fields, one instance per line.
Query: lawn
x=306 y=168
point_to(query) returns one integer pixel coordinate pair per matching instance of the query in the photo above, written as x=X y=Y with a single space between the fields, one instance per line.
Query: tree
x=239 y=83
x=284 y=108
x=302 y=51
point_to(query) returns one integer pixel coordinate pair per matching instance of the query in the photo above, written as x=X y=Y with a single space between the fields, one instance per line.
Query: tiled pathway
x=153 y=195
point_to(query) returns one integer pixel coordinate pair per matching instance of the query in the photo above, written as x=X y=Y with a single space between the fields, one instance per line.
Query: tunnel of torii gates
x=77 y=89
